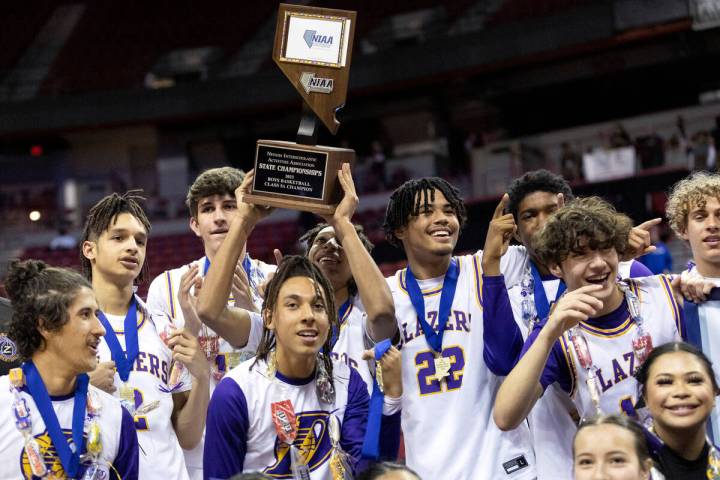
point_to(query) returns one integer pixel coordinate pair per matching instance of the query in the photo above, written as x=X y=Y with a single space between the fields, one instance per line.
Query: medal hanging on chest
x=713 y=468
x=323 y=382
x=176 y=368
x=339 y=465
x=642 y=341
x=434 y=338
x=93 y=443
x=527 y=304
x=24 y=424
x=582 y=351
x=641 y=344
x=285 y=421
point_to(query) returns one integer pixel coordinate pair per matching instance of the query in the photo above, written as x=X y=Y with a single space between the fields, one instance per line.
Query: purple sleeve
x=681 y=324
x=390 y=437
x=556 y=369
x=502 y=338
x=355 y=419
x=126 y=461
x=637 y=269
x=226 y=431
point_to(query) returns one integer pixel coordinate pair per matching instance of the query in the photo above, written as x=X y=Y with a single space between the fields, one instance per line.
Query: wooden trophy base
x=299 y=177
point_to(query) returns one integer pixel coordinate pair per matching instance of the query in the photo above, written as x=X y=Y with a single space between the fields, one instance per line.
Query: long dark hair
x=298 y=266
x=40 y=297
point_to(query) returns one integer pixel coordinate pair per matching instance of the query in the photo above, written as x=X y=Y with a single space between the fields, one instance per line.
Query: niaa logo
x=51 y=459
x=312 y=39
x=8 y=350
x=313 y=442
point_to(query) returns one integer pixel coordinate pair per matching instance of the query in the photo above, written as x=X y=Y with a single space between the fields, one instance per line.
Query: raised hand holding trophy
x=313 y=48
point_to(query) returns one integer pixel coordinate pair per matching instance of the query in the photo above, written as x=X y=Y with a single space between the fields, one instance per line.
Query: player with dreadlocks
x=452 y=356
x=159 y=373
x=294 y=374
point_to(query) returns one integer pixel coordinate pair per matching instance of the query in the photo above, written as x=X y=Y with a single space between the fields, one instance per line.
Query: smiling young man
x=159 y=373
x=212 y=206
x=48 y=401
x=693 y=210
x=601 y=329
x=452 y=354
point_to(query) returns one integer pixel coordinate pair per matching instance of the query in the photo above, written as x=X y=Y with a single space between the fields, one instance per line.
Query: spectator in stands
x=660 y=260
x=703 y=156
x=63 y=240
x=619 y=137
x=225 y=343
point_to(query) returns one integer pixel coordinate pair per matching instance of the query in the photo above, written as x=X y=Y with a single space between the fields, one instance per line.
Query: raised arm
x=233 y=324
x=502 y=339
x=372 y=287
x=522 y=387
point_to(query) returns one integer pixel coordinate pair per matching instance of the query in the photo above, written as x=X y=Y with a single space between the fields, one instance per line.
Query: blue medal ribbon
x=371 y=443
x=542 y=305
x=69 y=459
x=123 y=361
x=433 y=338
x=342 y=311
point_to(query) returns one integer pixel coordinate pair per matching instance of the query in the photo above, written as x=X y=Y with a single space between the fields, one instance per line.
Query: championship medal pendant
x=339 y=467
x=442 y=367
x=93 y=472
x=283 y=416
x=298 y=467
x=16 y=377
x=147 y=407
x=127 y=397
x=642 y=346
x=713 y=468
x=210 y=345
x=379 y=376
x=233 y=359
x=582 y=350
x=594 y=389
x=35 y=458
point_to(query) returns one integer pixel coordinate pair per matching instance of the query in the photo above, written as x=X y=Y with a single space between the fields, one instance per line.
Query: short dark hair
x=104 y=213
x=215 y=181
x=536 y=181
x=40 y=296
x=591 y=218
x=622 y=421
x=408 y=198
x=298 y=266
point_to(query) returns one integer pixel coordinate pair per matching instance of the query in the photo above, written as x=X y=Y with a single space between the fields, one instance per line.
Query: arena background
x=622 y=97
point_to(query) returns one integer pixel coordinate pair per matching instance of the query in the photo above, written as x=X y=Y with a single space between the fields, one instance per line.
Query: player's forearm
x=372 y=287
x=216 y=286
x=189 y=422
x=521 y=389
x=233 y=325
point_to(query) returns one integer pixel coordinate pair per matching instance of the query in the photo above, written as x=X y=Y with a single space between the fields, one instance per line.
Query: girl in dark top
x=679 y=388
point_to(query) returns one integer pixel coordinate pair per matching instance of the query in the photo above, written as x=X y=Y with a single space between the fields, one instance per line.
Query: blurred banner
x=705 y=13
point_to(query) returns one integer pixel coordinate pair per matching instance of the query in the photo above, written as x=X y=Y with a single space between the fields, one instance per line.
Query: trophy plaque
x=313 y=48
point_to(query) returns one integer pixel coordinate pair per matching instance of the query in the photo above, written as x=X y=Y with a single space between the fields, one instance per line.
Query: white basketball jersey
x=354 y=340
x=163 y=296
x=448 y=427
x=263 y=450
x=551 y=424
x=149 y=379
x=612 y=351
x=13 y=460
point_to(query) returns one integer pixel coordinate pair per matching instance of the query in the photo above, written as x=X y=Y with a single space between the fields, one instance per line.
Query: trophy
x=313 y=48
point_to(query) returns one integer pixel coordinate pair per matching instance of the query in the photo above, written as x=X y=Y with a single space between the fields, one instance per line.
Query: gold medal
x=442 y=367
x=127 y=393
x=94 y=440
x=16 y=377
x=379 y=376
